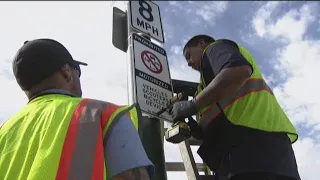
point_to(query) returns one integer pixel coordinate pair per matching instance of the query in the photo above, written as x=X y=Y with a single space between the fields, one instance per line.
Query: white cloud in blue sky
x=282 y=36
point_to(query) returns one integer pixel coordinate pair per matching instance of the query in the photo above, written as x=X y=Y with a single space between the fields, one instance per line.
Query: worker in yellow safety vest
x=59 y=134
x=245 y=133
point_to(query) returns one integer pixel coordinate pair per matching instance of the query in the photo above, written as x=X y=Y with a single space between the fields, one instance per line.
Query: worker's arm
x=126 y=158
x=231 y=71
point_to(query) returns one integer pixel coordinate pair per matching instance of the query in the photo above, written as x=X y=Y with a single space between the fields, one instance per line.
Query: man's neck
x=52 y=91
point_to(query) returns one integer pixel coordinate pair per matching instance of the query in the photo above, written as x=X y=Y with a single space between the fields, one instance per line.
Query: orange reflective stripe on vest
x=79 y=160
x=252 y=85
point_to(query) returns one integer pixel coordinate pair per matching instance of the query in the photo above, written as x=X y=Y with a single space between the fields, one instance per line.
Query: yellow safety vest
x=59 y=137
x=253 y=105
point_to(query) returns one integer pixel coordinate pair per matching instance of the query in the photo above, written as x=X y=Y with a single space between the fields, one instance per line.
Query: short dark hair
x=195 y=40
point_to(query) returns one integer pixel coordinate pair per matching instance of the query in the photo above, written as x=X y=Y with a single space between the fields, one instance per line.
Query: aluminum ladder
x=189 y=165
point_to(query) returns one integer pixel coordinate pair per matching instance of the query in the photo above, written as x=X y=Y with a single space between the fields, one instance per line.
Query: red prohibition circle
x=151 y=62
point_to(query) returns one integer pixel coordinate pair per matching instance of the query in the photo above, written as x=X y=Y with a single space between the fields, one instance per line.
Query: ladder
x=189 y=165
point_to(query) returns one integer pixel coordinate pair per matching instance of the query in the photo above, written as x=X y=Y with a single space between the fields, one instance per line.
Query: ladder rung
x=179 y=166
x=206 y=177
x=175 y=166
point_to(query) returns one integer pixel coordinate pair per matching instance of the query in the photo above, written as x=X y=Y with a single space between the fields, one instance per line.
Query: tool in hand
x=170 y=103
x=178 y=131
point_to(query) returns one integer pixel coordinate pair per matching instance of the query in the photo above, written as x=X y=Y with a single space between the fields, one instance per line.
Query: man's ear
x=66 y=72
x=202 y=43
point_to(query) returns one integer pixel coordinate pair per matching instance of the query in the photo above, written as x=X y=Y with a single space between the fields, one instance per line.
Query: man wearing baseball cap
x=59 y=134
x=46 y=59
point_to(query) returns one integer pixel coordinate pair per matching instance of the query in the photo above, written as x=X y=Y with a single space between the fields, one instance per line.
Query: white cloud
x=290 y=26
x=207 y=11
x=308 y=156
x=175 y=3
x=262 y=15
x=301 y=60
x=210 y=10
x=293 y=25
x=176 y=49
x=298 y=60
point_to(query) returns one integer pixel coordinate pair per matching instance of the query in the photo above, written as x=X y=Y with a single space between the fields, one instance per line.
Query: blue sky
x=283 y=37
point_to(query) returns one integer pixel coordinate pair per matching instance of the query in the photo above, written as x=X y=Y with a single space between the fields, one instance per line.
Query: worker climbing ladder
x=188 y=165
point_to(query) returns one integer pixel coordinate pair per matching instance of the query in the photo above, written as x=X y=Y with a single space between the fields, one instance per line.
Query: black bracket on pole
x=187 y=88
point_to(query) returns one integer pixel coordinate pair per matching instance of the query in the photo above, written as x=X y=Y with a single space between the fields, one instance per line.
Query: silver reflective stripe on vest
x=87 y=138
x=252 y=85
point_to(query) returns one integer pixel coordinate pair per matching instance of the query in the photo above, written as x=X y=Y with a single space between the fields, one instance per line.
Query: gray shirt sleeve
x=124 y=150
x=225 y=54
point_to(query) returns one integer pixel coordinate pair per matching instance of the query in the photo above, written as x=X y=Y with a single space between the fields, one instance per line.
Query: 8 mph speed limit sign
x=145 y=17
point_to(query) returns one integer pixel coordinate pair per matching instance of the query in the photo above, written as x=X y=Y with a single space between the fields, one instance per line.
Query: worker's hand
x=183 y=109
x=196 y=130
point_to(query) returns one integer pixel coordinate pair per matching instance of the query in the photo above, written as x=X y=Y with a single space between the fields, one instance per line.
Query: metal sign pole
x=149 y=128
x=130 y=80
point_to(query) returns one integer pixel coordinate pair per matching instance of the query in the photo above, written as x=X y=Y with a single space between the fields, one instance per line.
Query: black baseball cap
x=40 y=58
